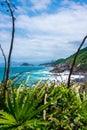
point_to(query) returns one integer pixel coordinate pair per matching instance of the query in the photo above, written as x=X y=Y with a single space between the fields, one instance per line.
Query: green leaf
x=6 y=118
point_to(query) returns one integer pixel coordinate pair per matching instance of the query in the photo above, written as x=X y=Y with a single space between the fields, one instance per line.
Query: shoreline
x=79 y=77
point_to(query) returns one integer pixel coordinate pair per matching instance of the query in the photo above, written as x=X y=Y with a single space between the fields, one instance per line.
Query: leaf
x=6 y=118
x=10 y=106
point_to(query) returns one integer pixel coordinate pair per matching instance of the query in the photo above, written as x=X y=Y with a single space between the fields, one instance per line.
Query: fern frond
x=6 y=118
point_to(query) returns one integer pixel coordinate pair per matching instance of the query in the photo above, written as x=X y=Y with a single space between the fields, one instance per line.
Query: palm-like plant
x=23 y=108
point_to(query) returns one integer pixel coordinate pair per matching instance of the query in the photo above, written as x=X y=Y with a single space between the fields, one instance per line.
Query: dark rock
x=60 y=68
x=79 y=69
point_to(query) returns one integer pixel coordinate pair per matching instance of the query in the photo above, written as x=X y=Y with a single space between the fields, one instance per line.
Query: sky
x=45 y=30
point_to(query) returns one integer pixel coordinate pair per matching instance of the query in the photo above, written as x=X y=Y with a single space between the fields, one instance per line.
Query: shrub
x=65 y=108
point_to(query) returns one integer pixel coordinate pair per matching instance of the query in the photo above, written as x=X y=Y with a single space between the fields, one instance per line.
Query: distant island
x=26 y=64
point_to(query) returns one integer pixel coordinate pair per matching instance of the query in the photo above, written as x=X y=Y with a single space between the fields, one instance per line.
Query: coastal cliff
x=80 y=67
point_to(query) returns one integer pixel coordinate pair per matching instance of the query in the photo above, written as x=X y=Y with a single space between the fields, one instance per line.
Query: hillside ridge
x=82 y=58
x=62 y=65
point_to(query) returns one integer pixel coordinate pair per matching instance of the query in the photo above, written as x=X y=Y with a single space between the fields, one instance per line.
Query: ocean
x=36 y=73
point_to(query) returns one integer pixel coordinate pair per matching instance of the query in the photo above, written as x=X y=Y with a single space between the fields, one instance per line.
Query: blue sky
x=45 y=29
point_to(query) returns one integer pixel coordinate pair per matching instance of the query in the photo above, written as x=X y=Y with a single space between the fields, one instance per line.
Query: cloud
x=40 y=4
x=46 y=37
x=40 y=49
x=67 y=22
x=34 y=5
x=4 y=21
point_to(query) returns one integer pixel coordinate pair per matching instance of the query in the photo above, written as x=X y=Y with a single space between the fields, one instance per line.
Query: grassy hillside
x=81 y=59
x=59 y=61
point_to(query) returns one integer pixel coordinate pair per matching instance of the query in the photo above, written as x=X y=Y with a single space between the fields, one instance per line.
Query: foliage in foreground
x=65 y=108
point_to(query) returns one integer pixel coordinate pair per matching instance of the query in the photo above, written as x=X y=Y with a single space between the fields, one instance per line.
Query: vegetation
x=45 y=106
x=81 y=59
x=59 y=61
x=65 y=108
x=22 y=108
x=74 y=60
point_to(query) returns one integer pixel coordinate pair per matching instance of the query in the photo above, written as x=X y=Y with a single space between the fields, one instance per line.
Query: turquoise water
x=35 y=73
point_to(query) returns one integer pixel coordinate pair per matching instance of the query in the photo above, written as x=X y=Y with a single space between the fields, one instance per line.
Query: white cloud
x=4 y=21
x=68 y=23
x=48 y=36
x=40 y=4
x=34 y=5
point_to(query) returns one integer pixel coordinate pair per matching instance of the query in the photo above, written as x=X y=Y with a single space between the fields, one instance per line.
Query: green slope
x=59 y=61
x=81 y=59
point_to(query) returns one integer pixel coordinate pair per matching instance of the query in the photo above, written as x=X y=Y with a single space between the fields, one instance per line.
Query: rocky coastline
x=78 y=70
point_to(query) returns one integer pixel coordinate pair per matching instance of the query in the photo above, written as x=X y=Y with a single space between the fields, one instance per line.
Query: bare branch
x=71 y=70
x=10 y=9
x=12 y=40
x=4 y=61
x=44 y=111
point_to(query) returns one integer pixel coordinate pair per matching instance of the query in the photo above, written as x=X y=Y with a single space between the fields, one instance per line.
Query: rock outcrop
x=60 y=68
